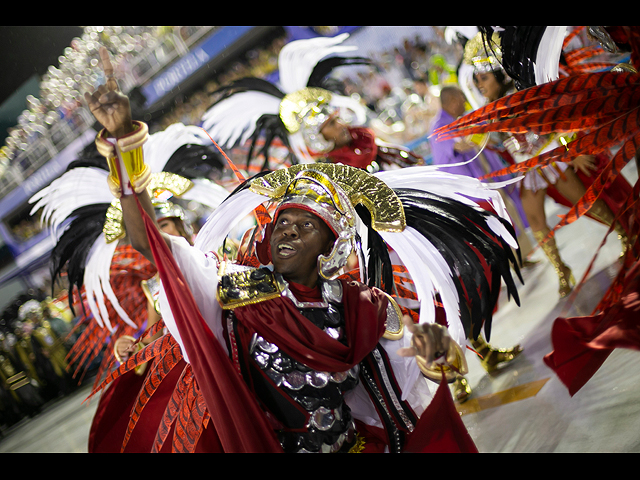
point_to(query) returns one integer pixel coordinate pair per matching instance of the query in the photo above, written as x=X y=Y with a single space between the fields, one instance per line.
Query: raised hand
x=585 y=163
x=108 y=104
x=430 y=343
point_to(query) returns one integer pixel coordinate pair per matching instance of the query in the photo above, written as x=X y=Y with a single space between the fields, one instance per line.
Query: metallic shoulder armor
x=247 y=287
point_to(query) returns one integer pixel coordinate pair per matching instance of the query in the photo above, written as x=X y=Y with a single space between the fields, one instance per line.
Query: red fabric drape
x=440 y=428
x=235 y=413
x=582 y=344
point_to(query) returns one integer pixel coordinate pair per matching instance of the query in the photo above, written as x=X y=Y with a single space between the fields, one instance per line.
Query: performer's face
x=488 y=85
x=175 y=227
x=298 y=238
x=168 y=226
x=337 y=131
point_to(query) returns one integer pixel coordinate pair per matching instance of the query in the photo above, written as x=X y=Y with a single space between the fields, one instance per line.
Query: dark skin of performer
x=298 y=238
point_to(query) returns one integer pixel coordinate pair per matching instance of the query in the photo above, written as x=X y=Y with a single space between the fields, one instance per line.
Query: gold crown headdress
x=484 y=57
x=307 y=111
x=113 y=228
x=331 y=192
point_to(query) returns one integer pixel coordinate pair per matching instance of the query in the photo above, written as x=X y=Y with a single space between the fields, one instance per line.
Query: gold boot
x=601 y=212
x=565 y=277
x=461 y=389
x=494 y=358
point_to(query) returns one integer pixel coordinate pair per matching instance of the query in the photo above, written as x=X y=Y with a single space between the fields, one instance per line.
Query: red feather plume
x=602 y=107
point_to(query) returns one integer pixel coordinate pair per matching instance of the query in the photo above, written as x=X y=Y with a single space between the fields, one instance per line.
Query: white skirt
x=541 y=177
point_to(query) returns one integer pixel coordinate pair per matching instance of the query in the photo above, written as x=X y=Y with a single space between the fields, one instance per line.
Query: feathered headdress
x=530 y=55
x=534 y=55
x=294 y=110
x=86 y=221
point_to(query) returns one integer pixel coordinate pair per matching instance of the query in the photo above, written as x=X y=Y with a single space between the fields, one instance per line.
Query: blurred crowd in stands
x=56 y=116
x=405 y=77
x=400 y=90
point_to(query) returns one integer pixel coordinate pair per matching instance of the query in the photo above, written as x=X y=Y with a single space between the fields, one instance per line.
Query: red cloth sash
x=235 y=414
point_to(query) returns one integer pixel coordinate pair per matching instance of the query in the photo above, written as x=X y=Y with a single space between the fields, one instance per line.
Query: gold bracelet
x=115 y=346
x=435 y=371
x=126 y=153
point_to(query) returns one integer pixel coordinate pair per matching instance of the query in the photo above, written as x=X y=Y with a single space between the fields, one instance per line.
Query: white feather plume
x=162 y=145
x=547 y=61
x=74 y=189
x=206 y=192
x=297 y=59
x=232 y=121
x=462 y=188
x=225 y=217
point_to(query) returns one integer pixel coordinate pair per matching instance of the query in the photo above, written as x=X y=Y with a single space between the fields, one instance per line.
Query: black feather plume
x=519 y=45
x=195 y=161
x=326 y=66
x=72 y=249
x=379 y=269
x=245 y=85
x=478 y=258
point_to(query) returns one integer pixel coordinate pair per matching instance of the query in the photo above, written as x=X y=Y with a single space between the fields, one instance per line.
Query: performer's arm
x=134 y=224
x=121 y=142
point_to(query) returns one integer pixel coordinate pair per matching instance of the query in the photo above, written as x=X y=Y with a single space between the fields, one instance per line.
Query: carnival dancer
x=601 y=109
x=494 y=83
x=333 y=123
x=107 y=274
x=288 y=358
x=93 y=249
x=111 y=423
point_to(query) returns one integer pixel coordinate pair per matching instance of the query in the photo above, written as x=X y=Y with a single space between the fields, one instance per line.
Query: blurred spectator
x=449 y=152
x=477 y=161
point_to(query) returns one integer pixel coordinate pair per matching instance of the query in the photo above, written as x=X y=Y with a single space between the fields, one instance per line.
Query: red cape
x=582 y=344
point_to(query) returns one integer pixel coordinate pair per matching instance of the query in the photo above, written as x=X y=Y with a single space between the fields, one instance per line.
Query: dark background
x=29 y=50
x=26 y=52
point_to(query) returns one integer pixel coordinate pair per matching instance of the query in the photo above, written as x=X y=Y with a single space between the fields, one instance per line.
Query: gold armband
x=457 y=365
x=126 y=160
